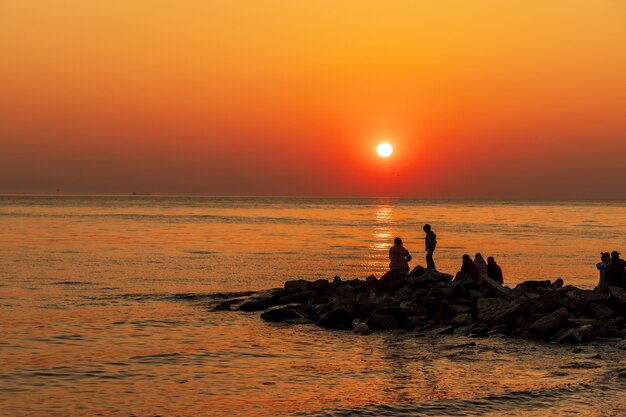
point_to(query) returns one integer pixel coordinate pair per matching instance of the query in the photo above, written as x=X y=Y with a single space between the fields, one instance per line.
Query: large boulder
x=550 y=323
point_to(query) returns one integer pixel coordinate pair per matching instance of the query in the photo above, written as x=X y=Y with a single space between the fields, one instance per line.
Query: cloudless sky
x=480 y=99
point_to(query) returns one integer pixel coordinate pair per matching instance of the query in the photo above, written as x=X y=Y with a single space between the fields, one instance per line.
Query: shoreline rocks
x=427 y=301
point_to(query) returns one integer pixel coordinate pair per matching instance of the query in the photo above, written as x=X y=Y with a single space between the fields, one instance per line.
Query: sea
x=105 y=308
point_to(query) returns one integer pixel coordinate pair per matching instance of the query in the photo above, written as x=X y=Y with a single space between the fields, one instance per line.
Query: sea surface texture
x=104 y=305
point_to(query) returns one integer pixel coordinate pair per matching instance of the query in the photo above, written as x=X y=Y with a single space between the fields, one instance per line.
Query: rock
x=383 y=321
x=580 y=322
x=570 y=336
x=489 y=308
x=299 y=297
x=285 y=312
x=601 y=312
x=298 y=285
x=413 y=322
x=621 y=345
x=550 y=322
x=411 y=309
x=586 y=332
x=464 y=319
x=418 y=271
x=443 y=330
x=475 y=295
x=261 y=300
x=536 y=284
x=337 y=318
x=558 y=283
x=420 y=281
x=440 y=276
x=457 y=309
x=361 y=329
x=405 y=292
x=495 y=286
x=319 y=286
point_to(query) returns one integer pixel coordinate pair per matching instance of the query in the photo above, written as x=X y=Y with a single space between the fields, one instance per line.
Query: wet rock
x=361 y=329
x=586 y=332
x=443 y=330
x=337 y=318
x=570 y=336
x=261 y=300
x=413 y=322
x=550 y=322
x=281 y=313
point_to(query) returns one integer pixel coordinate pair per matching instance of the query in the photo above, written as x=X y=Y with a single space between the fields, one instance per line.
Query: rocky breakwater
x=431 y=302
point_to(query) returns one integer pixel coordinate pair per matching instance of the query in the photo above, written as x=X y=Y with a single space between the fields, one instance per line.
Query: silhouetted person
x=481 y=265
x=605 y=262
x=468 y=267
x=494 y=271
x=615 y=274
x=399 y=258
x=431 y=243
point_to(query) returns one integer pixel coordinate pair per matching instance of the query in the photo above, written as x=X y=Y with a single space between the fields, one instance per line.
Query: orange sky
x=481 y=99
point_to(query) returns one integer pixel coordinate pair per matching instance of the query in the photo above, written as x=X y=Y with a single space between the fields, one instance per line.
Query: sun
x=384 y=150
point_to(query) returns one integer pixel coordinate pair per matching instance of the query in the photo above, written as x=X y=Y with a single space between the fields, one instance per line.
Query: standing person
x=603 y=265
x=399 y=257
x=431 y=244
x=494 y=271
x=481 y=265
x=615 y=275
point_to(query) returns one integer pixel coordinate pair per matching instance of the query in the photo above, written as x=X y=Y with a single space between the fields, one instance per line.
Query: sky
x=482 y=99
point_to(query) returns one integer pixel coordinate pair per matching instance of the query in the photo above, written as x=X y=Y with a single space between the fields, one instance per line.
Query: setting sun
x=384 y=150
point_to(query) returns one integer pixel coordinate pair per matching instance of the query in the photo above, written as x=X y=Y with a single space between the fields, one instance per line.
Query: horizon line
x=451 y=199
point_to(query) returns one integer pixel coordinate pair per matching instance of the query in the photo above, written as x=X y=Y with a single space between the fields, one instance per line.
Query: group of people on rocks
x=477 y=269
x=612 y=270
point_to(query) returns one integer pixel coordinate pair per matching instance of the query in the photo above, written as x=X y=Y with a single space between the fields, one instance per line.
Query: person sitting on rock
x=481 y=265
x=399 y=258
x=615 y=274
x=494 y=271
x=468 y=268
x=603 y=265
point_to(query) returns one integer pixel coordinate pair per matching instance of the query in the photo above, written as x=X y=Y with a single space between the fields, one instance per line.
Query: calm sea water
x=105 y=308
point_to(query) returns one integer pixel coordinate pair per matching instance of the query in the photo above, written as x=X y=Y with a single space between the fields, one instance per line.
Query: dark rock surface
x=429 y=302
